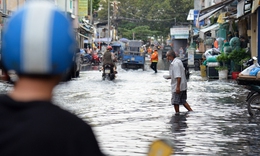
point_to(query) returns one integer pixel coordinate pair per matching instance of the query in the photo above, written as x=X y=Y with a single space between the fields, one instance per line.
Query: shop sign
x=83 y=8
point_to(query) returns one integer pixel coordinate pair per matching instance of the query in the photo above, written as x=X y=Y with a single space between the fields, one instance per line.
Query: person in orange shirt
x=154 y=60
x=149 y=50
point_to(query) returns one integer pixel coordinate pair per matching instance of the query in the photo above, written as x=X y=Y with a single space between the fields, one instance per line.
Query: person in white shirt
x=178 y=82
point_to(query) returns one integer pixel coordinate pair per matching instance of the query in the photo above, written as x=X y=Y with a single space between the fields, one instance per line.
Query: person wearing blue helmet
x=38 y=44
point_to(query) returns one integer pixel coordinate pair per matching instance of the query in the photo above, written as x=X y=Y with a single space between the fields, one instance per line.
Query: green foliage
x=95 y=5
x=222 y=59
x=221 y=68
x=140 y=32
x=158 y=15
x=238 y=56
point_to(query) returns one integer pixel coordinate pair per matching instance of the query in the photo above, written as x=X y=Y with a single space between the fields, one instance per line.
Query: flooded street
x=129 y=113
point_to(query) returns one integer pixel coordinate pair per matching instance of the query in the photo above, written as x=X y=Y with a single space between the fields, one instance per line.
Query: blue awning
x=116 y=45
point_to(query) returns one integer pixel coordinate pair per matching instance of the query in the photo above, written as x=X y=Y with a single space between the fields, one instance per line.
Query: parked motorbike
x=253 y=97
x=249 y=62
x=108 y=72
x=95 y=59
x=253 y=100
x=100 y=56
x=86 y=58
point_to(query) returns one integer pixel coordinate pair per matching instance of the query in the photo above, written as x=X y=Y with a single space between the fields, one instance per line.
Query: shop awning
x=82 y=35
x=84 y=30
x=202 y=17
x=213 y=7
x=210 y=28
x=243 y=9
x=204 y=13
x=214 y=26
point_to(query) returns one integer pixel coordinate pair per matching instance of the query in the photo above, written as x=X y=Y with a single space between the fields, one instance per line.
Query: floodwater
x=127 y=114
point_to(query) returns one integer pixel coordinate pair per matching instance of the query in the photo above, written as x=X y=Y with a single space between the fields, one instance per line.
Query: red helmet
x=109 y=48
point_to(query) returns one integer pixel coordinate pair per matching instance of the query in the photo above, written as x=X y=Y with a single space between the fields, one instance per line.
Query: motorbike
x=108 y=72
x=100 y=56
x=86 y=58
x=253 y=97
x=95 y=59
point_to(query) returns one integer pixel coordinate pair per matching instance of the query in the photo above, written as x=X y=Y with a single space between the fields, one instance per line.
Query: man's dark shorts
x=179 y=99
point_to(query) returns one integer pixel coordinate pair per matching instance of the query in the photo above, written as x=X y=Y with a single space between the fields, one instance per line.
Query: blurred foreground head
x=38 y=40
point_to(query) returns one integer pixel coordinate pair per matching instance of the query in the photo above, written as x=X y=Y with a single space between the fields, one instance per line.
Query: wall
x=75 y=12
x=62 y=5
x=12 y=5
x=197 y=4
x=258 y=35
x=207 y=3
x=254 y=35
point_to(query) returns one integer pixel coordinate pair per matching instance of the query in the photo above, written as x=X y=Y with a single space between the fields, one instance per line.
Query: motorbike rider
x=109 y=58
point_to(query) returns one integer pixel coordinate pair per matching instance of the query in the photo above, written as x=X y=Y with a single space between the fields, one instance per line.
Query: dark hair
x=171 y=53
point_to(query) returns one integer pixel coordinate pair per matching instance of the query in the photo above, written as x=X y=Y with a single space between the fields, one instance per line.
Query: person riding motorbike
x=109 y=58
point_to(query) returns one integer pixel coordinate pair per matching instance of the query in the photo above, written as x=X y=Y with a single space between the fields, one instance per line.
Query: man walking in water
x=178 y=82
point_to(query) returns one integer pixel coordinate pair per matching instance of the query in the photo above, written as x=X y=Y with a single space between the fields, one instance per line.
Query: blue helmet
x=38 y=40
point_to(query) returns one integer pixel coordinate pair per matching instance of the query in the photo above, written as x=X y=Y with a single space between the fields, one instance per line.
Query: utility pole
x=108 y=20
x=91 y=15
x=4 y=5
x=17 y=3
x=4 y=10
x=66 y=8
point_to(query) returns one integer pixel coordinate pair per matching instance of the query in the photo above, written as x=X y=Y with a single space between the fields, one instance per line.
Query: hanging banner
x=82 y=8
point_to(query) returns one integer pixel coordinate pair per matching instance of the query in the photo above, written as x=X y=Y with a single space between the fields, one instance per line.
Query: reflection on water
x=178 y=127
x=178 y=122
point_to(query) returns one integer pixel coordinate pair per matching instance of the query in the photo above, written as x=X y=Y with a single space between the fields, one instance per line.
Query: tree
x=157 y=16
x=139 y=33
x=95 y=5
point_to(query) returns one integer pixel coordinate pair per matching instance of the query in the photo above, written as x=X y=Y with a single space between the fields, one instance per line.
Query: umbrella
x=124 y=40
x=116 y=44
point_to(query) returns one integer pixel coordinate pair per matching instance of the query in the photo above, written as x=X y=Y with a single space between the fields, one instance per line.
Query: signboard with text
x=83 y=8
x=179 y=33
x=190 y=52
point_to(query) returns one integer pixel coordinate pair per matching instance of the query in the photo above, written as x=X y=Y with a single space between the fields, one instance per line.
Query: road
x=129 y=113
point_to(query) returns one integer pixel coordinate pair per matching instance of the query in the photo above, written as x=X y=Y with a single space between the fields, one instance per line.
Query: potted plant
x=237 y=56
x=222 y=68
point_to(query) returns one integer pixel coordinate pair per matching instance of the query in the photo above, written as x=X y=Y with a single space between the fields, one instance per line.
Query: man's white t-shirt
x=176 y=70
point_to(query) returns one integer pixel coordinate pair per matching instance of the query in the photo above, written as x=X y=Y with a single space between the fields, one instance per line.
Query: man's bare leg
x=176 y=107
x=187 y=106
